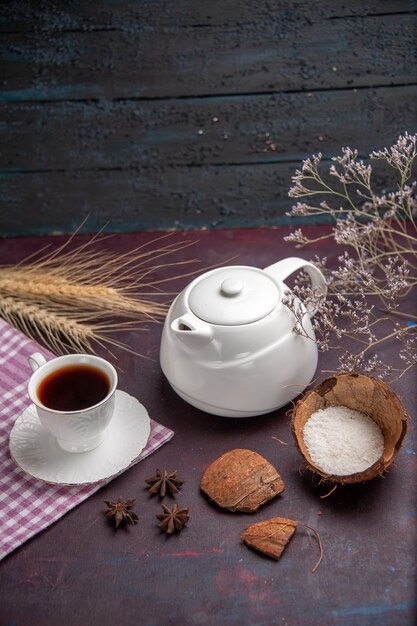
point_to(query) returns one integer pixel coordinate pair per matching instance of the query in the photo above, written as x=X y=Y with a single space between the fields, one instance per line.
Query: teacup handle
x=36 y=360
x=286 y=267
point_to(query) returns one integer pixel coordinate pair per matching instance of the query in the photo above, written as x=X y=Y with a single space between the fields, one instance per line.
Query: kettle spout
x=191 y=331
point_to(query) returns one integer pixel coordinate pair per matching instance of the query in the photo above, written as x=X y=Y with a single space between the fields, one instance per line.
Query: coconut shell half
x=361 y=393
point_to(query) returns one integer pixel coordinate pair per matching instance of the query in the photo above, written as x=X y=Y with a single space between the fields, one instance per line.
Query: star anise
x=171 y=520
x=121 y=511
x=164 y=482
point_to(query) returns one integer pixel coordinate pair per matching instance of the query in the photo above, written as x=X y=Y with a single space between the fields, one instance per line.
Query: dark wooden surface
x=153 y=115
x=79 y=572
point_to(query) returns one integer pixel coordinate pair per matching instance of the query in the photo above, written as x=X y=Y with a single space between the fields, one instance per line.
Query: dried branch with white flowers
x=377 y=265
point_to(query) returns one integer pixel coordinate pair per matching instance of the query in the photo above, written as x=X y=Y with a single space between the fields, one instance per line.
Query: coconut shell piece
x=241 y=480
x=361 y=393
x=270 y=537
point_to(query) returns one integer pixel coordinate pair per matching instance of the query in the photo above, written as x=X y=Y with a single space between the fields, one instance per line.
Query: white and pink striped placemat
x=27 y=505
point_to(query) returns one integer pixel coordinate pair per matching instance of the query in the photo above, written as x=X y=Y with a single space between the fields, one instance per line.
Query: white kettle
x=228 y=346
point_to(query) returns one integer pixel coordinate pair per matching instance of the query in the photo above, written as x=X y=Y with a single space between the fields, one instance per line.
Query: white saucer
x=37 y=453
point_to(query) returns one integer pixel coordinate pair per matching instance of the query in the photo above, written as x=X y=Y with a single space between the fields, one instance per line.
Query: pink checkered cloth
x=27 y=505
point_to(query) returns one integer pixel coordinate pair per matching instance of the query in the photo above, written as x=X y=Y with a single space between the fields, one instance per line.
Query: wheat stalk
x=68 y=298
x=59 y=331
x=28 y=286
x=62 y=332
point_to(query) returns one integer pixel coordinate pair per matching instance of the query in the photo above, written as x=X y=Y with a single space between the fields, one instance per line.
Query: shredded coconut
x=342 y=441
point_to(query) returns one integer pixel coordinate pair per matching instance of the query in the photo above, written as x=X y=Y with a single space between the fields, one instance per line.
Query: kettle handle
x=286 y=267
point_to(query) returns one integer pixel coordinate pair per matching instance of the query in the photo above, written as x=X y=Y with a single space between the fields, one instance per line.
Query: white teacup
x=75 y=430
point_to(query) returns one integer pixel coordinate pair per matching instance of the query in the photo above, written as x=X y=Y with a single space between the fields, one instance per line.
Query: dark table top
x=80 y=571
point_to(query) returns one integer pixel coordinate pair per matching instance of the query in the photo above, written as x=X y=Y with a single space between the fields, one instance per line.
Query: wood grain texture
x=220 y=196
x=176 y=132
x=177 y=197
x=153 y=115
x=88 y=15
x=282 y=51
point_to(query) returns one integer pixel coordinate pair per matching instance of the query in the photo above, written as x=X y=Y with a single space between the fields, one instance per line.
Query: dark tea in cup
x=73 y=388
x=74 y=396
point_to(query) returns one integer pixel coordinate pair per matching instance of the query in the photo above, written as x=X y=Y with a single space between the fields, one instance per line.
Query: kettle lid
x=235 y=295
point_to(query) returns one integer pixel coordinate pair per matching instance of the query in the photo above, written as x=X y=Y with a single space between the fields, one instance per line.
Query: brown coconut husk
x=241 y=480
x=365 y=394
x=272 y=536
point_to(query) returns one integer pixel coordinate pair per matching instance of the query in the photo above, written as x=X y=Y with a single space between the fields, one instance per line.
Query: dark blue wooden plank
x=124 y=138
x=108 y=15
x=201 y=131
x=150 y=198
x=283 y=48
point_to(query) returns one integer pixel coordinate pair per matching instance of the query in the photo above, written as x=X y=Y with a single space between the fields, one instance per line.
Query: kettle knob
x=231 y=287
